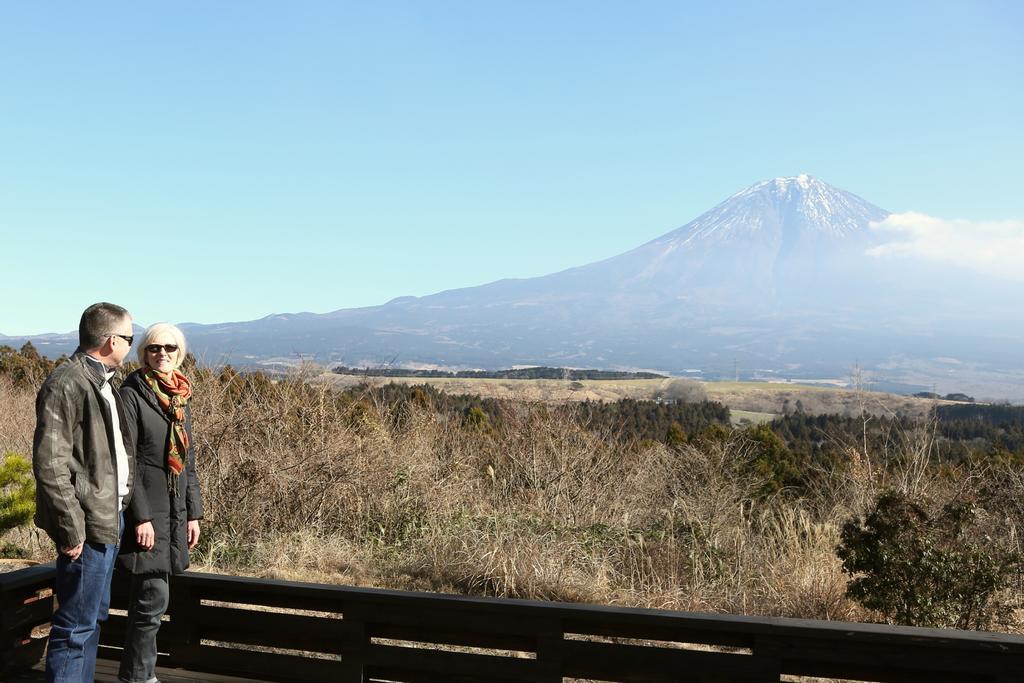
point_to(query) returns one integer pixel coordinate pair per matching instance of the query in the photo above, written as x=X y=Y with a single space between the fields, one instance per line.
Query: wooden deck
x=106 y=672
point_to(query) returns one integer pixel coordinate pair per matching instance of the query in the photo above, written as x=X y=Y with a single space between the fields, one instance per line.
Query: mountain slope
x=775 y=277
x=761 y=247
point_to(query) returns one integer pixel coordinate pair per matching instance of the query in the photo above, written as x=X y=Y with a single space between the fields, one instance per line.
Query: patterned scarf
x=173 y=391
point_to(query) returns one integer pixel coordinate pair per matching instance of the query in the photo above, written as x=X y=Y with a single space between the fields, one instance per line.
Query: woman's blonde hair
x=152 y=332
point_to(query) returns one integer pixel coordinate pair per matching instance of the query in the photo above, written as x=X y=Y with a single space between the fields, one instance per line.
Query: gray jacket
x=73 y=457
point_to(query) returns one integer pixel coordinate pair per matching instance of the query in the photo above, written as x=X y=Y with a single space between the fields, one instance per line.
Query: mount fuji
x=776 y=280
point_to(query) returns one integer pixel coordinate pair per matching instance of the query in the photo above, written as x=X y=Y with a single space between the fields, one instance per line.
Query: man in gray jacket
x=84 y=468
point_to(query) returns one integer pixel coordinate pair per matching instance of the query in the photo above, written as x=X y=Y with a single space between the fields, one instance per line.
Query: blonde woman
x=162 y=521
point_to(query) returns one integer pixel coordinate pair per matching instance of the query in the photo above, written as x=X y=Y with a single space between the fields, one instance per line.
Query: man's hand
x=73 y=551
x=193 y=533
x=145 y=536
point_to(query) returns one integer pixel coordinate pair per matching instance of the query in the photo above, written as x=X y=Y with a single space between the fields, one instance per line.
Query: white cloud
x=995 y=248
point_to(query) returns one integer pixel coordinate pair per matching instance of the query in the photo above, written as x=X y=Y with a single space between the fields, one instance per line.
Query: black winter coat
x=152 y=501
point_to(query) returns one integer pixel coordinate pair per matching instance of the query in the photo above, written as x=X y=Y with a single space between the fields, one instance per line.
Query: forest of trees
x=515 y=373
x=984 y=427
x=670 y=423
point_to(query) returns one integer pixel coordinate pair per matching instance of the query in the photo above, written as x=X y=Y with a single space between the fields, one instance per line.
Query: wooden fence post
x=549 y=654
x=356 y=643
x=183 y=609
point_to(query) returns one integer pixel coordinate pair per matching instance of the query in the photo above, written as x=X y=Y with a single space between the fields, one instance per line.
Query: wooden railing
x=26 y=602
x=296 y=632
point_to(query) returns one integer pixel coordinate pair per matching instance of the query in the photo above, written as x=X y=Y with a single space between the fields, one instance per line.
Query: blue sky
x=210 y=162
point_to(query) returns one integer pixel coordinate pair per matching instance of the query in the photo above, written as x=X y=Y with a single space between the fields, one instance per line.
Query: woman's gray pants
x=147 y=602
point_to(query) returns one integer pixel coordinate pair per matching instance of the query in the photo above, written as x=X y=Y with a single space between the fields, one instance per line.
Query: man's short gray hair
x=98 y=322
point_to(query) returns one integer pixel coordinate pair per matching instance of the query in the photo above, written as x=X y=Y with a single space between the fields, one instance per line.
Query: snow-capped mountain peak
x=789 y=208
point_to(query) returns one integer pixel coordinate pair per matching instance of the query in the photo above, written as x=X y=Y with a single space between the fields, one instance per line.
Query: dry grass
x=300 y=483
x=17 y=417
x=756 y=399
x=770 y=397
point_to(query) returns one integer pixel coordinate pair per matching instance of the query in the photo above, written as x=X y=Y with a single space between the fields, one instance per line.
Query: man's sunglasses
x=127 y=337
x=155 y=348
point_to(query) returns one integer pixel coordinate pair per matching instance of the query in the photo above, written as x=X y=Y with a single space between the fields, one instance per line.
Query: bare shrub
x=801 y=575
x=17 y=416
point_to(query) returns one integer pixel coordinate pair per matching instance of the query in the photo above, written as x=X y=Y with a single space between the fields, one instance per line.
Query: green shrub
x=924 y=569
x=476 y=419
x=773 y=462
x=17 y=492
x=676 y=435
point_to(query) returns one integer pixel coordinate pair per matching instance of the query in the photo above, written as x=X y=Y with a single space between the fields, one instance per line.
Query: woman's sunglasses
x=155 y=348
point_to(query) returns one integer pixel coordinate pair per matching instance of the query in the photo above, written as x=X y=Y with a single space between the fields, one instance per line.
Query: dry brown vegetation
x=303 y=483
x=542 y=508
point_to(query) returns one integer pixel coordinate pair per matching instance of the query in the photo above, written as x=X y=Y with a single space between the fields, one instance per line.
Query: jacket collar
x=93 y=368
x=135 y=381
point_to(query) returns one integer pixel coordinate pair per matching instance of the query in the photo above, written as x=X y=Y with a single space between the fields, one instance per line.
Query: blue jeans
x=83 y=597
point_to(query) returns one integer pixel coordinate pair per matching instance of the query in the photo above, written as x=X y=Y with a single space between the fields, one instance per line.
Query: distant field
x=553 y=390
x=740 y=417
x=755 y=401
x=765 y=397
